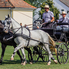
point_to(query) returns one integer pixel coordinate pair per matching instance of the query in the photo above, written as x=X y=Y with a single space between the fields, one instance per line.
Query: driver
x=48 y=17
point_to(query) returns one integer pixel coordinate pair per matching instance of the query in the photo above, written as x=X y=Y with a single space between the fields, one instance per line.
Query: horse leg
x=23 y=53
x=50 y=55
x=16 y=49
x=17 y=53
x=3 y=46
x=29 y=51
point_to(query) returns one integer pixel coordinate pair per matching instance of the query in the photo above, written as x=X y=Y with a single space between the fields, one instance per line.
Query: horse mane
x=1 y=25
x=14 y=20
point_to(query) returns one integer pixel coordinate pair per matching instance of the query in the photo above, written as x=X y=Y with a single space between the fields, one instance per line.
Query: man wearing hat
x=48 y=17
x=64 y=19
x=65 y=28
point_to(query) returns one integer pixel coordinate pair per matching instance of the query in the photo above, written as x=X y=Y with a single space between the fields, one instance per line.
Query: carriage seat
x=49 y=31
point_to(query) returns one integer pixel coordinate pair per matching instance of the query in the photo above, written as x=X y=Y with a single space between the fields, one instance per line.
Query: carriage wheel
x=39 y=54
x=35 y=55
x=45 y=56
x=62 y=53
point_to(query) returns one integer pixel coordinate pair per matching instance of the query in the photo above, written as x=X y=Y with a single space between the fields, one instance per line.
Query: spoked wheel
x=45 y=56
x=37 y=53
x=62 y=53
x=41 y=53
x=34 y=55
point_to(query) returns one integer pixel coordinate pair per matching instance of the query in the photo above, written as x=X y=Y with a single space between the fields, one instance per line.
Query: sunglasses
x=63 y=14
x=46 y=8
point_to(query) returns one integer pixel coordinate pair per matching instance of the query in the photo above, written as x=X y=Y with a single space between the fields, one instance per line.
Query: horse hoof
x=49 y=63
x=31 y=63
x=56 y=61
x=12 y=59
x=0 y=62
x=23 y=63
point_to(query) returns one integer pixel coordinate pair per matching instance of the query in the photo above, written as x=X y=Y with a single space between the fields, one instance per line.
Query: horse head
x=7 y=24
x=1 y=26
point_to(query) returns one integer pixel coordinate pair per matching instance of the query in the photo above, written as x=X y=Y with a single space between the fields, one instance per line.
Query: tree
x=35 y=3
x=52 y=8
x=41 y=4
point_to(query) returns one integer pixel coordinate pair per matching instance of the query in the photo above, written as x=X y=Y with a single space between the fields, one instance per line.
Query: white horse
x=40 y=37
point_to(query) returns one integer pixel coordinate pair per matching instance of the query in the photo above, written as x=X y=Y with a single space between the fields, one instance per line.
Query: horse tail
x=52 y=42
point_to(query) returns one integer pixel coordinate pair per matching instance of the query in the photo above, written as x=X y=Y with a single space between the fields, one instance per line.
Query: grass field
x=7 y=64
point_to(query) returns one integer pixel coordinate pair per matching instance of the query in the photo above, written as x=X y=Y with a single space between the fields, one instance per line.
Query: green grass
x=15 y=64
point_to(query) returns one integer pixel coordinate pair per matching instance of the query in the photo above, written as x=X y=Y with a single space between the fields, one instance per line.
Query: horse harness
x=28 y=38
x=23 y=35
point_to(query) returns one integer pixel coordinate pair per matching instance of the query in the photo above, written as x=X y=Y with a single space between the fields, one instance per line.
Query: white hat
x=63 y=12
x=46 y=6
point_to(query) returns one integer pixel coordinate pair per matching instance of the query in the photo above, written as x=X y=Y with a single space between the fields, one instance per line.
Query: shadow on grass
x=11 y=62
x=19 y=62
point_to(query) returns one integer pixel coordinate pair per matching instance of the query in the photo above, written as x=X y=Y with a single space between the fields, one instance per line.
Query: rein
x=17 y=30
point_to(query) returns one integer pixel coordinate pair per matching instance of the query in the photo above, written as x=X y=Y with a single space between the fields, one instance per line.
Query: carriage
x=62 y=41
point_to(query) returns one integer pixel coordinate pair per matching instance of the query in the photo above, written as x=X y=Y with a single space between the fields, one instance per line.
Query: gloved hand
x=49 y=21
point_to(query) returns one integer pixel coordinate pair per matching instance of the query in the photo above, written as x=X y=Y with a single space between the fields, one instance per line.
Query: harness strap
x=22 y=34
x=21 y=30
x=17 y=30
x=29 y=36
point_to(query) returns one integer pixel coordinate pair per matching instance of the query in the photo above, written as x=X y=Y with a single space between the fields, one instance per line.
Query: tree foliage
x=42 y=3
x=52 y=8
x=35 y=3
